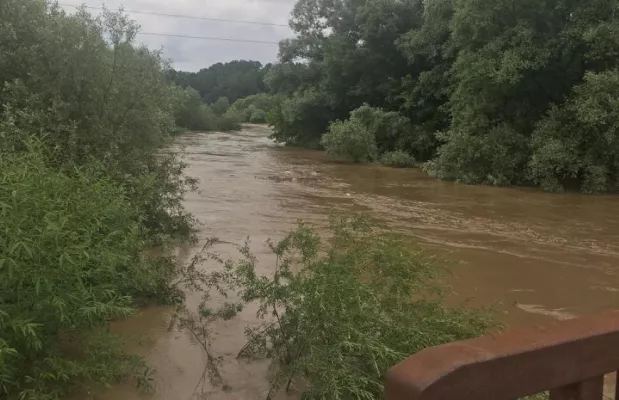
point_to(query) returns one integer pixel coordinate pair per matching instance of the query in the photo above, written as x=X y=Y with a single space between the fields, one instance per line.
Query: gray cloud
x=194 y=54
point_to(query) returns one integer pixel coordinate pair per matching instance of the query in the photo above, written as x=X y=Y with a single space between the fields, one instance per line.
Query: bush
x=350 y=139
x=579 y=142
x=220 y=106
x=390 y=128
x=398 y=159
x=68 y=251
x=496 y=158
x=259 y=102
x=95 y=99
x=230 y=121
x=347 y=309
x=88 y=181
x=301 y=119
x=248 y=112
x=258 y=117
x=194 y=115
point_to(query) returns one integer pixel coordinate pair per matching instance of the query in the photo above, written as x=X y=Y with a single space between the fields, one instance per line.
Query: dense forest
x=495 y=92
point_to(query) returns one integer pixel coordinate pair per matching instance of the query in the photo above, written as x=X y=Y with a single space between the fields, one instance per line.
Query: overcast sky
x=194 y=54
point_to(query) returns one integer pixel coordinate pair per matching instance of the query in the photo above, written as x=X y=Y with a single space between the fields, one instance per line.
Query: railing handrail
x=514 y=364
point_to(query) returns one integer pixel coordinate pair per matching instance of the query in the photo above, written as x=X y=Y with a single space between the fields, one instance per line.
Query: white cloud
x=194 y=54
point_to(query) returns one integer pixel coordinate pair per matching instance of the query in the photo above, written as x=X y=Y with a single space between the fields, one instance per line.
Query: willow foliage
x=86 y=185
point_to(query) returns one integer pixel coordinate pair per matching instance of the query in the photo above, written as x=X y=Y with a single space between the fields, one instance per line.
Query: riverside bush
x=230 y=121
x=350 y=139
x=68 y=265
x=258 y=117
x=397 y=159
x=577 y=144
x=340 y=312
x=256 y=107
x=390 y=128
x=88 y=182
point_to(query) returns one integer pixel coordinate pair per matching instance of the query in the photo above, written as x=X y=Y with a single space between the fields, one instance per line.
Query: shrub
x=579 y=142
x=95 y=99
x=248 y=112
x=220 y=106
x=189 y=113
x=496 y=158
x=230 y=121
x=346 y=309
x=261 y=101
x=301 y=119
x=258 y=117
x=69 y=264
x=87 y=182
x=390 y=128
x=350 y=139
x=398 y=159
x=193 y=114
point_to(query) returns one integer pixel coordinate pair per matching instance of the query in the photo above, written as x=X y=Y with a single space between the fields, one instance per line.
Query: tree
x=425 y=90
x=515 y=59
x=234 y=80
x=391 y=130
x=302 y=118
x=350 y=52
x=578 y=144
x=221 y=106
x=192 y=114
x=472 y=78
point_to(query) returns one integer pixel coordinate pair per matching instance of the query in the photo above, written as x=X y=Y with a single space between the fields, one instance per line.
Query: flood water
x=533 y=257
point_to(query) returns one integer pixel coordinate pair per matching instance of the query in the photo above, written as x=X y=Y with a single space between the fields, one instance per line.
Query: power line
x=183 y=16
x=208 y=38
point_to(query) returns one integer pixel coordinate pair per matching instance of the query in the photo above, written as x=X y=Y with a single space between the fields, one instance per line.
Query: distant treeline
x=233 y=80
x=223 y=96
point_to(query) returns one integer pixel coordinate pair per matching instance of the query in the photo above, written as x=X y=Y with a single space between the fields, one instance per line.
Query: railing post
x=590 y=389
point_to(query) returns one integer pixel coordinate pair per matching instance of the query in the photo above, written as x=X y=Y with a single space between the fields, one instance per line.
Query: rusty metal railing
x=568 y=358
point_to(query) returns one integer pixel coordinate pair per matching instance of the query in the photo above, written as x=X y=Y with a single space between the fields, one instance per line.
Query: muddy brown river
x=531 y=256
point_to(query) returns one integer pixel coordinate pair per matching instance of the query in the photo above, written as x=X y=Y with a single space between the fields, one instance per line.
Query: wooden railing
x=568 y=358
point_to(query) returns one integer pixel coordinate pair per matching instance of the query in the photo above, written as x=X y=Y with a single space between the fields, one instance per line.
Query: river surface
x=531 y=256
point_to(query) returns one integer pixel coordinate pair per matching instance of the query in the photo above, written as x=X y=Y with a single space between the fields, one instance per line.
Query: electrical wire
x=182 y=16
x=208 y=38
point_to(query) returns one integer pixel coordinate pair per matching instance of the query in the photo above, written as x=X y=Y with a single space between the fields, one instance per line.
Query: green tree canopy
x=475 y=78
x=234 y=80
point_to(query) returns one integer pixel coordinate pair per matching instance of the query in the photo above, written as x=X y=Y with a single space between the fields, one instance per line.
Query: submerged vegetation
x=338 y=312
x=397 y=159
x=490 y=92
